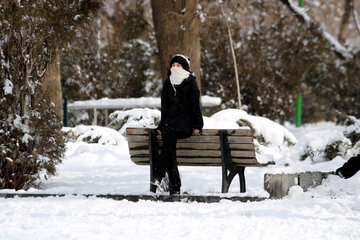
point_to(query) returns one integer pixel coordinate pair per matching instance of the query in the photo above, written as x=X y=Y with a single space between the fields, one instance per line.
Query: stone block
x=278 y=185
x=310 y=179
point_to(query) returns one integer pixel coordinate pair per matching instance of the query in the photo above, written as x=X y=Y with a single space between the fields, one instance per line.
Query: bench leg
x=229 y=170
x=227 y=179
x=241 y=172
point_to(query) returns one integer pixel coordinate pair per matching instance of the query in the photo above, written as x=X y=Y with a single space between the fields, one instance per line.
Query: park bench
x=232 y=149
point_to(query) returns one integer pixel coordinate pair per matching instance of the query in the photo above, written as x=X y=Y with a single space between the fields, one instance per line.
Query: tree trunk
x=345 y=21
x=177 y=31
x=52 y=86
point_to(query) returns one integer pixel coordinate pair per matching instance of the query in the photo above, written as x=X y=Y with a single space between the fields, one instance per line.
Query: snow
x=271 y=131
x=18 y=124
x=25 y=139
x=329 y=211
x=337 y=45
x=119 y=103
x=116 y=103
x=208 y=101
x=298 y=217
x=102 y=135
x=8 y=87
x=77 y=17
x=137 y=117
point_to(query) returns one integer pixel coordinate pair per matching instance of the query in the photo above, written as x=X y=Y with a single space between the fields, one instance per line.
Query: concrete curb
x=136 y=198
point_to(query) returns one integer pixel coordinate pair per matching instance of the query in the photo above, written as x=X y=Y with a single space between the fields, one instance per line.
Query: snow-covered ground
x=329 y=211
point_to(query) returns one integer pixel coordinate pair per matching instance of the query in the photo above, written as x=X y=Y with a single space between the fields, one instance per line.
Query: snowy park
x=179 y=119
x=329 y=211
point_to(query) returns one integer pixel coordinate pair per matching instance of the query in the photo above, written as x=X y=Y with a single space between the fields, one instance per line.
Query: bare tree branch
x=233 y=57
x=355 y=16
x=304 y=17
x=345 y=21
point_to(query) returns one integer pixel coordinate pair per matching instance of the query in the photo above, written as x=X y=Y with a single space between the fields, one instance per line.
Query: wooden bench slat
x=196 y=139
x=199 y=146
x=231 y=139
x=200 y=160
x=186 y=164
x=196 y=153
x=215 y=146
x=206 y=164
x=137 y=131
x=205 y=132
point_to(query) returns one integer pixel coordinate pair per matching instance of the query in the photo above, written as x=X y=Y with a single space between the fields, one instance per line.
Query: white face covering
x=178 y=75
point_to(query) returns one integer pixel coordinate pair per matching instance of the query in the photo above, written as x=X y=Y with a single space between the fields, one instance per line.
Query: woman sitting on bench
x=180 y=117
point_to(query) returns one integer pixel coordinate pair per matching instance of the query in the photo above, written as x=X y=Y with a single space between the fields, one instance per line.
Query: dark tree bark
x=177 y=31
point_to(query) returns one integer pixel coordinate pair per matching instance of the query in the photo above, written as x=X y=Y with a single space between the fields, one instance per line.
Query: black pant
x=167 y=163
x=173 y=130
x=350 y=168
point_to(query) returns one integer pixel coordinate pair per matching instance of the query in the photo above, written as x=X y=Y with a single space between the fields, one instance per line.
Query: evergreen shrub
x=31 y=141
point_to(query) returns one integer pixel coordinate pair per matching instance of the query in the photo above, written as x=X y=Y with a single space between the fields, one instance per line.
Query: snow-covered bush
x=326 y=152
x=31 y=141
x=343 y=140
x=352 y=130
x=267 y=132
x=29 y=146
x=93 y=134
x=137 y=117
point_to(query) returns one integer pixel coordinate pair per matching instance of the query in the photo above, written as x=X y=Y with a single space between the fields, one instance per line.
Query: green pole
x=299 y=97
x=298 y=110
x=301 y=3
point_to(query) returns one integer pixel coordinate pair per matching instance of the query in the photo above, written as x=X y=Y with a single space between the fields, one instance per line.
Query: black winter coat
x=350 y=168
x=180 y=109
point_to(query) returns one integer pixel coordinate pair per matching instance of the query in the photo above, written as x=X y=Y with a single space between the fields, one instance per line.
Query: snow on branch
x=301 y=13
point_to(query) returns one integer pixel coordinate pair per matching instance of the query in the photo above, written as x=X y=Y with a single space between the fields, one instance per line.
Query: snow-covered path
x=299 y=216
x=104 y=169
x=330 y=211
